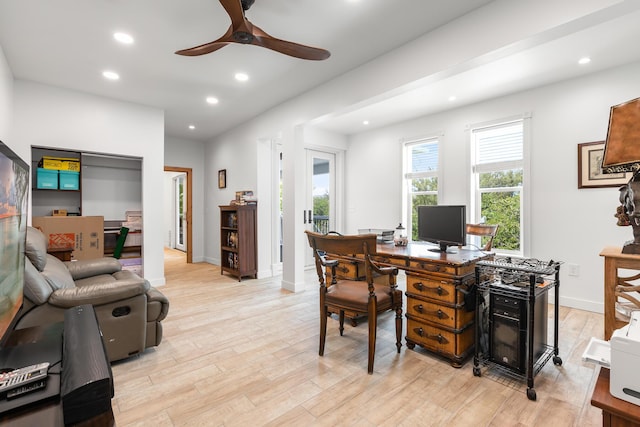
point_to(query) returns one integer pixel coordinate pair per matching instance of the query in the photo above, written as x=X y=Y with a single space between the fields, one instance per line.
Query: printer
x=625 y=361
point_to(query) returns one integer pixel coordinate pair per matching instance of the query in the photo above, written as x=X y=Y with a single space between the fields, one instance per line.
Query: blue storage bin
x=47 y=179
x=69 y=180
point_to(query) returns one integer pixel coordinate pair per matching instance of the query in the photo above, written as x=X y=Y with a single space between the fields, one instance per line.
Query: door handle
x=310 y=217
x=305 y=216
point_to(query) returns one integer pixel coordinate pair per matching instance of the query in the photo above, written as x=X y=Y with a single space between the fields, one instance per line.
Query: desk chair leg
x=373 y=326
x=341 y=322
x=399 y=328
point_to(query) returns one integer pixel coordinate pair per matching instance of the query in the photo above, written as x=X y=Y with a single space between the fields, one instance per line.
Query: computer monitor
x=444 y=225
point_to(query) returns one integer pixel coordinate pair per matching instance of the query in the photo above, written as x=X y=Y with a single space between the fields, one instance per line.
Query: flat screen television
x=444 y=225
x=14 y=187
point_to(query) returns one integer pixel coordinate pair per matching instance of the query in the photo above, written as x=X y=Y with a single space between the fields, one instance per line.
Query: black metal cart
x=511 y=328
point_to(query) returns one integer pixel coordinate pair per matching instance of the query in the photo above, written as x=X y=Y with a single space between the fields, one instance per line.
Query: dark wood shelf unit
x=238 y=236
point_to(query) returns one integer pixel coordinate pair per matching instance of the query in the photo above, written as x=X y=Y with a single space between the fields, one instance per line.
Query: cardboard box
x=59 y=163
x=82 y=233
x=133 y=216
x=59 y=212
x=133 y=239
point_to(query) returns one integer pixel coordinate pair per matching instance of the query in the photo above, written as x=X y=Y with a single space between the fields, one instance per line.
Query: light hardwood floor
x=246 y=354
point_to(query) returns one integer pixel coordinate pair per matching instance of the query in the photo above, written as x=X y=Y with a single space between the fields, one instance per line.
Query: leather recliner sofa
x=128 y=309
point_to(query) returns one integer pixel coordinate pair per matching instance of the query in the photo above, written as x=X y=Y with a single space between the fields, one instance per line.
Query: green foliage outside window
x=503 y=207
x=321 y=205
x=421 y=185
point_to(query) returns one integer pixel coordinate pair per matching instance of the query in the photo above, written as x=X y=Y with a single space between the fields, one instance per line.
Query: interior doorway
x=179 y=211
x=182 y=199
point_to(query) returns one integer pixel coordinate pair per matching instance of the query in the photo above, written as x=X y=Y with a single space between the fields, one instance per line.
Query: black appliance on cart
x=511 y=316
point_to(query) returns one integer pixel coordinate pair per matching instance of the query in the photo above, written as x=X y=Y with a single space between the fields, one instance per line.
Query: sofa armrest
x=93 y=267
x=160 y=304
x=97 y=294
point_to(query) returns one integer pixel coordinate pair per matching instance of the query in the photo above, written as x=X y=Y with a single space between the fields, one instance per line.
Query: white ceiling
x=68 y=43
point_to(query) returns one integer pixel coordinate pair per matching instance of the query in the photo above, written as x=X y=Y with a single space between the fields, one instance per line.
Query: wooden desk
x=437 y=314
x=437 y=283
x=615 y=412
x=614 y=259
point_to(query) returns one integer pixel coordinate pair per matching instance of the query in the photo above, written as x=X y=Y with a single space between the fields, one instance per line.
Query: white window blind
x=499 y=147
x=423 y=158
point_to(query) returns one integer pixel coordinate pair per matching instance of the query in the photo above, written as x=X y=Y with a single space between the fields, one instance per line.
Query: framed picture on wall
x=590 y=173
x=222 y=178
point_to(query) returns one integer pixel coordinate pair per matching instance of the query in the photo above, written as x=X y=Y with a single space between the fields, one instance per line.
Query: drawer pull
x=439 y=290
x=438 y=313
x=428 y=266
x=343 y=269
x=440 y=338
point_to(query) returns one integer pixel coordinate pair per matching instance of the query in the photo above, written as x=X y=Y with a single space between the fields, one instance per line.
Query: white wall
x=567 y=224
x=53 y=117
x=6 y=102
x=239 y=158
x=111 y=186
x=190 y=154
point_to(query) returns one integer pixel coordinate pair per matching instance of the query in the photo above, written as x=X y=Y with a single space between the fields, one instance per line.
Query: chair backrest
x=341 y=245
x=483 y=230
x=337 y=244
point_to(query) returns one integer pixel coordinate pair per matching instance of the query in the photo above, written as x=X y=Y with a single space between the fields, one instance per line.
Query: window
x=421 y=178
x=498 y=182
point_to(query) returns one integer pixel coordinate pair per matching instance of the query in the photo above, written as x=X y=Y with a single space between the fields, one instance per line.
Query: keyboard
x=23 y=376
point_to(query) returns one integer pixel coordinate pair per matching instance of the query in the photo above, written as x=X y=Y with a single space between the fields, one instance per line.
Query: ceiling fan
x=244 y=32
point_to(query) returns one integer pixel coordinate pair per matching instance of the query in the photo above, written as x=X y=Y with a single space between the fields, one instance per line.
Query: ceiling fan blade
x=203 y=49
x=288 y=48
x=235 y=11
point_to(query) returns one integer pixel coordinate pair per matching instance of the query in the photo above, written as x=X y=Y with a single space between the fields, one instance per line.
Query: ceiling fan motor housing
x=246 y=4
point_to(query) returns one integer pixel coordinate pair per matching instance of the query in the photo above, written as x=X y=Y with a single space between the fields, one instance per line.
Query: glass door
x=321 y=207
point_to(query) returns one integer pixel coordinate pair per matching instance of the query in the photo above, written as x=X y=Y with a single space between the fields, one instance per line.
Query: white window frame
x=523 y=163
x=407 y=176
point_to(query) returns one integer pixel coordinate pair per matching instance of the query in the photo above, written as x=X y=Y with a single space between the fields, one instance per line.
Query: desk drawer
x=440 y=289
x=456 y=345
x=346 y=269
x=446 y=269
x=400 y=262
x=451 y=316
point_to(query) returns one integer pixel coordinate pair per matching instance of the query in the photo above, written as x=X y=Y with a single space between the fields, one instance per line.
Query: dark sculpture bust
x=629 y=212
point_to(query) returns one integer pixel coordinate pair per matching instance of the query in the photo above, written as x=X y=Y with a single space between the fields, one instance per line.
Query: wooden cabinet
x=438 y=317
x=238 y=254
x=615 y=412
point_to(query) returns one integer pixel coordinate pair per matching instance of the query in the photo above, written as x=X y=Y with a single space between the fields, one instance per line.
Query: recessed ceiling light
x=212 y=100
x=123 y=38
x=192 y=127
x=111 y=75
x=584 y=60
x=452 y=98
x=241 y=77
x=366 y=122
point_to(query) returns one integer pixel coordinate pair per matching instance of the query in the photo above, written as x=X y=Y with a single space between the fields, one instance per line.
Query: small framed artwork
x=222 y=178
x=590 y=173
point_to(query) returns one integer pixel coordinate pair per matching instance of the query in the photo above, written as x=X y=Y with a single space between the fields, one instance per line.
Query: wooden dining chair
x=358 y=296
x=484 y=230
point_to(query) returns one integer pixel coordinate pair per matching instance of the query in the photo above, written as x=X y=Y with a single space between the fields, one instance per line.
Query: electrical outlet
x=574 y=269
